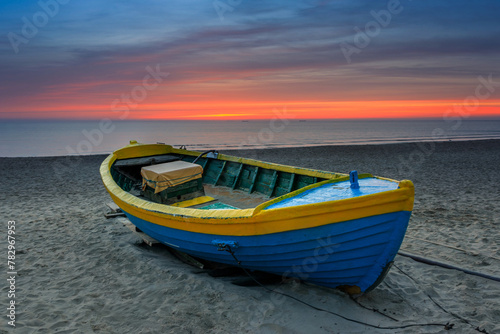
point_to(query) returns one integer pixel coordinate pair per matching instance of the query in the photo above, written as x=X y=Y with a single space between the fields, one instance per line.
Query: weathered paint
x=364 y=232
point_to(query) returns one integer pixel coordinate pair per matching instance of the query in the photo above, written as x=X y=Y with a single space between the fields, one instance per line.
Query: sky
x=249 y=59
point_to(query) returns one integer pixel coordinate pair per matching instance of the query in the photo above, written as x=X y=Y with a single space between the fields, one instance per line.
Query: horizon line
x=479 y=117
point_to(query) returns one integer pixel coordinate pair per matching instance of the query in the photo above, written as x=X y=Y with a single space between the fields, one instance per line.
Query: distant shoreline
x=231 y=150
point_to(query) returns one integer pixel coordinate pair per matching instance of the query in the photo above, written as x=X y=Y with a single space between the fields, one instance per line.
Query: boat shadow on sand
x=235 y=275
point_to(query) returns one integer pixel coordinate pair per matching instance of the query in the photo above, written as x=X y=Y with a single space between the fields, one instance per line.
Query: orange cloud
x=222 y=110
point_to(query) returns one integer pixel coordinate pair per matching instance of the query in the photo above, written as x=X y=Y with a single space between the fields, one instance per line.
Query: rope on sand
x=446 y=326
x=447 y=266
x=452 y=247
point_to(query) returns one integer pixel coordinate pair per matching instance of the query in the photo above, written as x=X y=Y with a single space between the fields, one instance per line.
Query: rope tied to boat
x=223 y=245
x=227 y=247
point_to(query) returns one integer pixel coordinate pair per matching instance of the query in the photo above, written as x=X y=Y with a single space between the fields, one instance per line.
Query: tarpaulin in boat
x=170 y=174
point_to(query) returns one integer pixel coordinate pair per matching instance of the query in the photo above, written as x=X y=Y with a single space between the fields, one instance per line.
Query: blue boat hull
x=350 y=253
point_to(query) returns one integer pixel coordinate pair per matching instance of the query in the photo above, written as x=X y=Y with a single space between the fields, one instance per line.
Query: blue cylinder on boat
x=353 y=177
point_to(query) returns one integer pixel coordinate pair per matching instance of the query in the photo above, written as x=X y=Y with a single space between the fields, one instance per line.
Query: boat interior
x=219 y=184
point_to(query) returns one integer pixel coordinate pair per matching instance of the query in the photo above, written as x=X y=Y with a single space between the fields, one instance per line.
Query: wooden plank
x=273 y=183
x=114 y=214
x=146 y=238
x=253 y=180
x=204 y=163
x=113 y=207
x=244 y=179
x=235 y=183
x=292 y=180
x=220 y=172
x=115 y=211
x=194 y=201
x=151 y=242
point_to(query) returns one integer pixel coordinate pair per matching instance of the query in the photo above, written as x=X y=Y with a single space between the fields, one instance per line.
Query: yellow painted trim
x=194 y=201
x=138 y=150
x=255 y=221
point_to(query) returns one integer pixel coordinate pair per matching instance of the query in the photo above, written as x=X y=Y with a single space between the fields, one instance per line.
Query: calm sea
x=20 y=138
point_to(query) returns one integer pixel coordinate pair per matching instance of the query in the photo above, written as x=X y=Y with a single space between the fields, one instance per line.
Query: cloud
x=269 y=50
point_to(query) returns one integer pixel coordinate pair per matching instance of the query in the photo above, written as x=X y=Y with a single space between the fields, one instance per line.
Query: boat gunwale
x=404 y=194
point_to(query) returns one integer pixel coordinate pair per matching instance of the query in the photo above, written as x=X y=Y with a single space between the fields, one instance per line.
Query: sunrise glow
x=185 y=61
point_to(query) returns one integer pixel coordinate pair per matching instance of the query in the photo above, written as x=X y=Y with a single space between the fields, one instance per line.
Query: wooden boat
x=330 y=229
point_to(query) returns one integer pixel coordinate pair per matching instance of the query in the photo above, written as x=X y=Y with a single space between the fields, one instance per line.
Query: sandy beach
x=78 y=272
